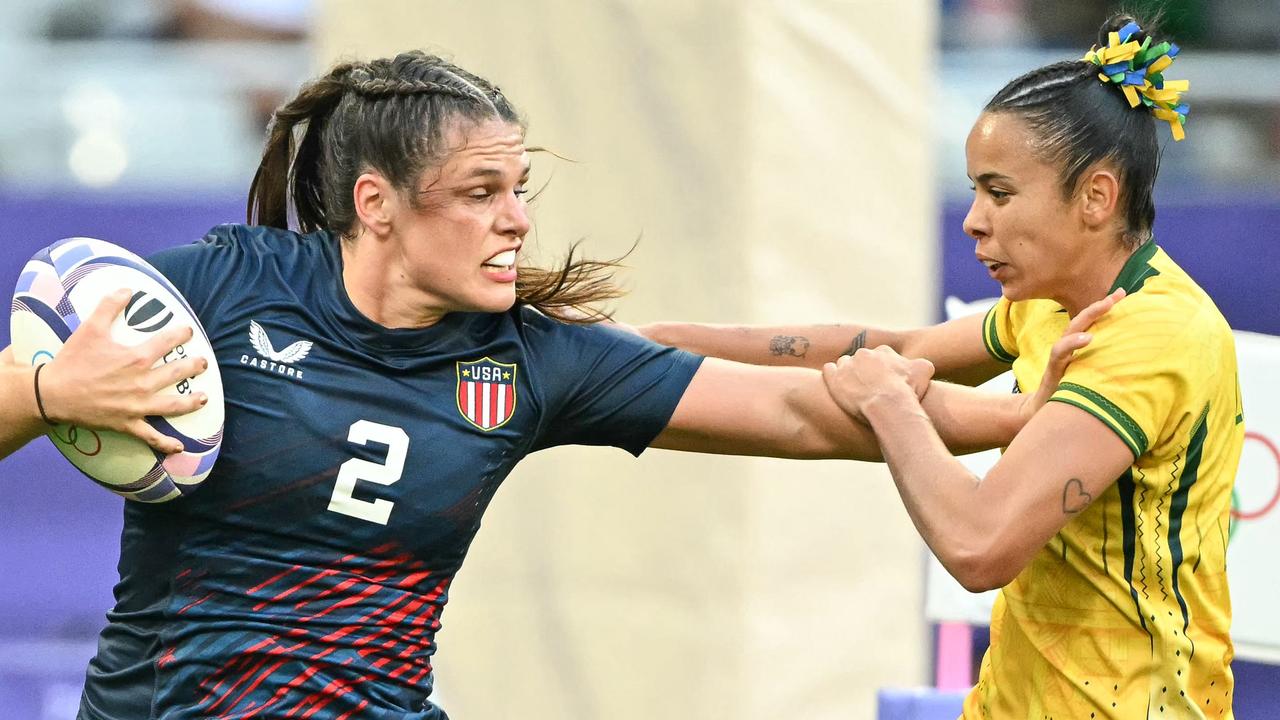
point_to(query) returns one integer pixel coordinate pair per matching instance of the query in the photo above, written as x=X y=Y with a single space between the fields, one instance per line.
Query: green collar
x=1137 y=269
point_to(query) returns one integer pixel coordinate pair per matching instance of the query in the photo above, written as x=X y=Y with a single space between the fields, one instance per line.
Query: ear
x=376 y=202
x=1099 y=197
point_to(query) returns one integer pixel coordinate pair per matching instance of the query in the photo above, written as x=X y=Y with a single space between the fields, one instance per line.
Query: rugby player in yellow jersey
x=1105 y=521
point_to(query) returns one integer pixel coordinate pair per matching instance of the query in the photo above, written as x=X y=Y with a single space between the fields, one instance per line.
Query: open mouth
x=502 y=261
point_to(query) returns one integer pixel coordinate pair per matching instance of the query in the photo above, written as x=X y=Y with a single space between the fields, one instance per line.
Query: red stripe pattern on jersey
x=358 y=621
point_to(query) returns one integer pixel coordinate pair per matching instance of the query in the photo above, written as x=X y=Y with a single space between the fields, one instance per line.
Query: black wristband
x=39 y=400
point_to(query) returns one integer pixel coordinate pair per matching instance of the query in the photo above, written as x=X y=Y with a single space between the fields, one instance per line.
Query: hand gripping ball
x=64 y=283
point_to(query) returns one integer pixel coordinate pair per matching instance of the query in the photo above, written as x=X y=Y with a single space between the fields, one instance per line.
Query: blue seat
x=918 y=704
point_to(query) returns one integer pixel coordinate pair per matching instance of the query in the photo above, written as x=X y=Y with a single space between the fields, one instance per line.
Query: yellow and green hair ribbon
x=1138 y=70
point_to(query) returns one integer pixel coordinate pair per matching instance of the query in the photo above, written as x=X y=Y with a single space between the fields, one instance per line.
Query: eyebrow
x=495 y=172
x=987 y=177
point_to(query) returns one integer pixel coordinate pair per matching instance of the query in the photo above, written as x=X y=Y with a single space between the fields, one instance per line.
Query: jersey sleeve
x=998 y=332
x=604 y=386
x=202 y=271
x=1132 y=373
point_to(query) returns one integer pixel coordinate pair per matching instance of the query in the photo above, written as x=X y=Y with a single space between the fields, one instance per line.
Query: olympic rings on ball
x=74 y=435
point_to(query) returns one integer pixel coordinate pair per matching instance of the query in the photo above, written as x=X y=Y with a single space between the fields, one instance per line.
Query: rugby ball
x=64 y=283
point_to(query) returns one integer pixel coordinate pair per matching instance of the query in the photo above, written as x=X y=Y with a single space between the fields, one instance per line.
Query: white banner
x=1255 y=526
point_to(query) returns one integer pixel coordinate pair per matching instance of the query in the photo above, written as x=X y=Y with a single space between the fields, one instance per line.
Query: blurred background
x=141 y=96
x=781 y=161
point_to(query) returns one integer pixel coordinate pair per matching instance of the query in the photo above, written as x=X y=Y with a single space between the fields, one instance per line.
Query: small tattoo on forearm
x=859 y=342
x=793 y=345
x=1074 y=497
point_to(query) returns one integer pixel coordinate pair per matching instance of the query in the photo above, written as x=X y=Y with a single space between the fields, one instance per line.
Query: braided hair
x=393 y=115
x=390 y=114
x=1077 y=121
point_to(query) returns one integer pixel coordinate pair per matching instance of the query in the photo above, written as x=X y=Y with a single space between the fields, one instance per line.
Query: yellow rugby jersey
x=1125 y=613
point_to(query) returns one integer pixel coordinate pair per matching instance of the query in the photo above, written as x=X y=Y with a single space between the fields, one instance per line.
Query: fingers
x=160 y=345
x=919 y=374
x=169 y=375
x=175 y=405
x=161 y=443
x=1090 y=314
x=175 y=372
x=829 y=372
x=110 y=306
x=841 y=377
x=921 y=366
x=1066 y=346
x=1075 y=337
x=1061 y=355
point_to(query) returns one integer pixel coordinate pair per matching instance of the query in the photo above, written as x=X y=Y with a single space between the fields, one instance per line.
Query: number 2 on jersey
x=362 y=433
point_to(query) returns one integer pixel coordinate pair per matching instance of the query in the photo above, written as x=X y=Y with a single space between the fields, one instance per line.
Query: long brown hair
x=392 y=115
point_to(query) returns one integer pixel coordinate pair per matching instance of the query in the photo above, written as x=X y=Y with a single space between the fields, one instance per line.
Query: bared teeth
x=502 y=259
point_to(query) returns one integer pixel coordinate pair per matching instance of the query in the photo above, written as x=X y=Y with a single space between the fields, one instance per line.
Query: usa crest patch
x=486 y=392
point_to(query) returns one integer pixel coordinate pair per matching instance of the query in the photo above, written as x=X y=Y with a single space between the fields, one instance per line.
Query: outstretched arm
x=94 y=382
x=735 y=409
x=984 y=530
x=955 y=348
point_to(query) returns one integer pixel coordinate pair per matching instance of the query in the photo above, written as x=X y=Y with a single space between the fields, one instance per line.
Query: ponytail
x=288 y=173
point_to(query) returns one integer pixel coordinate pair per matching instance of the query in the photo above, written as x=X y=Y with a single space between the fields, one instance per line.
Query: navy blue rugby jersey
x=307 y=575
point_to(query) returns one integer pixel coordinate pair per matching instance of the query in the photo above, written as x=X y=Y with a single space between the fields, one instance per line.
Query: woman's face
x=1028 y=236
x=460 y=236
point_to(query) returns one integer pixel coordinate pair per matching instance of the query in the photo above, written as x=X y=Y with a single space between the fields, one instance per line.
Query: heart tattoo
x=1074 y=497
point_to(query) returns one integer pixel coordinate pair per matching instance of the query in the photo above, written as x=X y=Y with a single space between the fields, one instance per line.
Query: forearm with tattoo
x=859 y=342
x=793 y=345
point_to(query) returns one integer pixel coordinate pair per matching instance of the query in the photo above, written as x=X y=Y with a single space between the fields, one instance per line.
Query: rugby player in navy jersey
x=384 y=369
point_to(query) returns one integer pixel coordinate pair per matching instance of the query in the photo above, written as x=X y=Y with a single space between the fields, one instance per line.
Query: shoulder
x=1025 y=313
x=538 y=327
x=235 y=241
x=591 y=347
x=234 y=259
x=1009 y=326
x=1165 y=307
x=245 y=251
x=263 y=242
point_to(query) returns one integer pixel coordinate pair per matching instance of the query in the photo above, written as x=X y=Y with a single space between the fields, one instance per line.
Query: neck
x=1092 y=283
x=373 y=275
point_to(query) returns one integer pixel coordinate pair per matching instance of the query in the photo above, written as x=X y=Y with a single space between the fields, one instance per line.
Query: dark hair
x=1079 y=120
x=393 y=116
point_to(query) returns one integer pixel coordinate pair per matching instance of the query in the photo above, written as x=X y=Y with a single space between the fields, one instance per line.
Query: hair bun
x=1127 y=58
x=1120 y=20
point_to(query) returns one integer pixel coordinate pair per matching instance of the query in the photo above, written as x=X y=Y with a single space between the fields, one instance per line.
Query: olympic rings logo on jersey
x=486 y=392
x=1260 y=510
